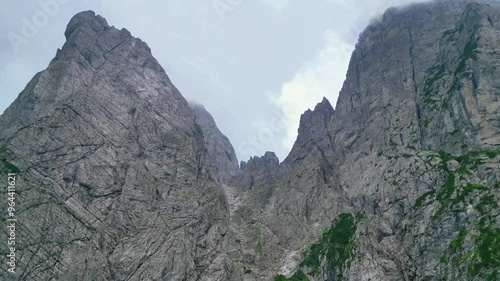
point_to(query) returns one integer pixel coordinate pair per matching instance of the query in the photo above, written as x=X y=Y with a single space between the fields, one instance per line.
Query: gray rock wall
x=120 y=179
x=114 y=181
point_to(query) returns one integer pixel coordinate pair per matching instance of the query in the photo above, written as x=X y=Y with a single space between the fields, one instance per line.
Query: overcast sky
x=255 y=65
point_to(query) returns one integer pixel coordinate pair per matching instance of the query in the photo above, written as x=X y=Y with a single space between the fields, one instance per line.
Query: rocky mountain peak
x=111 y=148
x=312 y=129
x=86 y=20
x=257 y=171
x=324 y=105
x=313 y=123
x=90 y=36
x=268 y=160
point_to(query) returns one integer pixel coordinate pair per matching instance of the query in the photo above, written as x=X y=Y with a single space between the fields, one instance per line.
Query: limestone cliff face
x=421 y=100
x=113 y=182
x=120 y=179
x=424 y=77
x=400 y=181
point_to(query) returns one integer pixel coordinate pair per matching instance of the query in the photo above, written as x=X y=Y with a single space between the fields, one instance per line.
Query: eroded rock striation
x=121 y=179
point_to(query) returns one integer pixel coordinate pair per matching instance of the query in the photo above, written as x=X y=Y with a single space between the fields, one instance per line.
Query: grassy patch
x=458 y=242
x=336 y=246
x=482 y=259
x=469 y=52
x=436 y=73
x=481 y=254
x=258 y=247
x=420 y=200
x=10 y=167
x=433 y=75
x=486 y=203
x=4 y=149
x=443 y=196
x=334 y=249
x=467 y=190
x=488 y=250
x=469 y=161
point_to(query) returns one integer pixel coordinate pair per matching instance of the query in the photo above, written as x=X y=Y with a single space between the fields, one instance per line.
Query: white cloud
x=320 y=77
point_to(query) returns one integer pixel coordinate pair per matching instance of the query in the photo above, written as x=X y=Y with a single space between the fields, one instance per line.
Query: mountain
x=114 y=179
x=119 y=178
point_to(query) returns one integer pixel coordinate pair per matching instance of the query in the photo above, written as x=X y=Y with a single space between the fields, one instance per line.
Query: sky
x=255 y=65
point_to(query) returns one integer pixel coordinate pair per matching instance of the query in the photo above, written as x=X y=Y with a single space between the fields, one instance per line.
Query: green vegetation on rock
x=247 y=270
x=469 y=52
x=433 y=75
x=483 y=257
x=4 y=149
x=10 y=167
x=334 y=249
x=336 y=245
x=258 y=247
x=437 y=73
x=476 y=247
x=420 y=200
x=457 y=243
x=450 y=194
